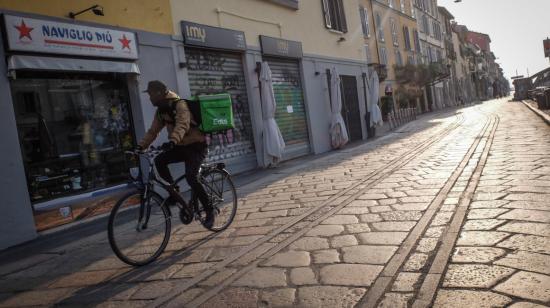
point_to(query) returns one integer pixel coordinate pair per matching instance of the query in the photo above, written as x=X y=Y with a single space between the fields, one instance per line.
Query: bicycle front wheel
x=223 y=195
x=139 y=229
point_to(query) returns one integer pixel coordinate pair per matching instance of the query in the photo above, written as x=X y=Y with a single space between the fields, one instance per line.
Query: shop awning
x=18 y=62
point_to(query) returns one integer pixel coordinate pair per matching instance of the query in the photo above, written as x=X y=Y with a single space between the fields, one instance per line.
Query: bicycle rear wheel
x=222 y=193
x=138 y=229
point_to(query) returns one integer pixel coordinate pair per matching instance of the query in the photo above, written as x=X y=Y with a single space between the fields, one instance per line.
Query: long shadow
x=48 y=261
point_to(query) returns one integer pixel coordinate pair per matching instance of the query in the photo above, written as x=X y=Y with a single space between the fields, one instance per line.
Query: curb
x=542 y=115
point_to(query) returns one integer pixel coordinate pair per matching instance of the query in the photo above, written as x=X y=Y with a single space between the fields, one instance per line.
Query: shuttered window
x=379 y=28
x=407 y=38
x=334 y=15
x=364 y=14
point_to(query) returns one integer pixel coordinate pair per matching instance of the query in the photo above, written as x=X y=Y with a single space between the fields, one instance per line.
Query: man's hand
x=139 y=148
x=167 y=146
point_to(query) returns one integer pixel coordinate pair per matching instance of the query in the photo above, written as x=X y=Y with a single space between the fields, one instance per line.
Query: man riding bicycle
x=186 y=142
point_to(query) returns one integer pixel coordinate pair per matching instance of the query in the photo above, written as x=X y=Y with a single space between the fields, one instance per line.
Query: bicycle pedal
x=185 y=218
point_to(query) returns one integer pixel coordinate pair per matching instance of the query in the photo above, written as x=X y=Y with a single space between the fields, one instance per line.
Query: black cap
x=156 y=86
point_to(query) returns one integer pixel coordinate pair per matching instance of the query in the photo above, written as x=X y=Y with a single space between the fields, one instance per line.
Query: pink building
x=480 y=39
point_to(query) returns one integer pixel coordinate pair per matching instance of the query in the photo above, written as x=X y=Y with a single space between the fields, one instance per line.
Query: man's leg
x=195 y=155
x=164 y=159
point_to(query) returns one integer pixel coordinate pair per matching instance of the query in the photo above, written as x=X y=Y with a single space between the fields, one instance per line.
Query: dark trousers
x=193 y=155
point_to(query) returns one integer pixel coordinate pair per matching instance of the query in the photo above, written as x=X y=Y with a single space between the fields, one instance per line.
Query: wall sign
x=36 y=35
x=213 y=37
x=278 y=47
x=546 y=44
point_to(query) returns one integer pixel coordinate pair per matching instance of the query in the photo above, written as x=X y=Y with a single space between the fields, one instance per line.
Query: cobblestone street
x=451 y=210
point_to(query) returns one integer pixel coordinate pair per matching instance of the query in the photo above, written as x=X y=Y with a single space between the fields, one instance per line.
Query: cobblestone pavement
x=451 y=210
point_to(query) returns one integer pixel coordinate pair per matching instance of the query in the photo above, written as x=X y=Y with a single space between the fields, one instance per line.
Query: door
x=350 y=107
x=291 y=113
x=212 y=72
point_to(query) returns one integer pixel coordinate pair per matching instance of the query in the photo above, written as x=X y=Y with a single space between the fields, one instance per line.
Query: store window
x=73 y=131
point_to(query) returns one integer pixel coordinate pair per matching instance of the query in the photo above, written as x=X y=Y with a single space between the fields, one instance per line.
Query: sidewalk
x=544 y=114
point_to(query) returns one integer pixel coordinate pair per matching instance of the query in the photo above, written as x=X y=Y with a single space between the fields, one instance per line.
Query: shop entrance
x=350 y=107
x=73 y=131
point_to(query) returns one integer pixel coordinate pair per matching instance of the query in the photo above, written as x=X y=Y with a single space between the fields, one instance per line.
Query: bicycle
x=140 y=222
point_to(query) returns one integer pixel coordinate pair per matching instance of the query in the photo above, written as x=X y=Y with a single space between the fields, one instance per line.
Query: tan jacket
x=180 y=132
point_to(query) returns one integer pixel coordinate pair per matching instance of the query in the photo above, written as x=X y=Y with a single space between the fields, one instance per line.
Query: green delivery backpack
x=213 y=113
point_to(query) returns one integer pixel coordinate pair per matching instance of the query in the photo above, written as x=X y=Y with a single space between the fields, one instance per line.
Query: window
x=425 y=25
x=73 y=130
x=417 y=41
x=391 y=3
x=394 y=32
x=380 y=28
x=398 y=58
x=367 y=52
x=413 y=11
x=293 y=4
x=364 y=14
x=410 y=60
x=436 y=30
x=402 y=6
x=383 y=56
x=439 y=56
x=407 y=38
x=335 y=18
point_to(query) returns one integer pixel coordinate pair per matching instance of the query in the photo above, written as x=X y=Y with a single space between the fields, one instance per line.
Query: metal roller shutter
x=212 y=72
x=291 y=112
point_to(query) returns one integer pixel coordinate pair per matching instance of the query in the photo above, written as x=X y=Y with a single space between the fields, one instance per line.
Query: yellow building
x=390 y=35
x=147 y=15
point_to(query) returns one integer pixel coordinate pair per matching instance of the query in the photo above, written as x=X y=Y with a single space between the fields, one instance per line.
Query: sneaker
x=209 y=219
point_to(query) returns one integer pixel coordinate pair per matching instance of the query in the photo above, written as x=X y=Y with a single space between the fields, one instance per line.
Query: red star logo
x=24 y=31
x=125 y=42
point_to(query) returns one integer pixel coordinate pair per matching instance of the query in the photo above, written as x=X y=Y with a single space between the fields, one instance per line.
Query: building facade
x=73 y=87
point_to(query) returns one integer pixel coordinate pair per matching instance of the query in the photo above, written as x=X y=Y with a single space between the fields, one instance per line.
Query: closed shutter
x=212 y=72
x=291 y=113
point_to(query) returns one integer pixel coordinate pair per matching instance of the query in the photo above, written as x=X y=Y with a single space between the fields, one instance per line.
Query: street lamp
x=96 y=9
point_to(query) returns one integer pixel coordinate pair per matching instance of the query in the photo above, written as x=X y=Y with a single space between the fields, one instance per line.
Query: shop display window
x=73 y=131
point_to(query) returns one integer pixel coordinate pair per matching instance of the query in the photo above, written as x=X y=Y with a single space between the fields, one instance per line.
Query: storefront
x=69 y=87
x=283 y=57
x=214 y=62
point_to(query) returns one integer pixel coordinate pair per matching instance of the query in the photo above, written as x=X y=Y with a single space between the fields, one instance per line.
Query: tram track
x=309 y=219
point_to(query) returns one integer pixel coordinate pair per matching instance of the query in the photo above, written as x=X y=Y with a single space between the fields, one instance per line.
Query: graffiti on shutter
x=291 y=113
x=212 y=72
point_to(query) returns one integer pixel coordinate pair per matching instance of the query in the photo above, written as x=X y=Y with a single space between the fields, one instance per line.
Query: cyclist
x=186 y=143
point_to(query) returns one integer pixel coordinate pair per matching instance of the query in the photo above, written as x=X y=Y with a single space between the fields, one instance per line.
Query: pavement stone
x=328 y=296
x=289 y=259
x=527 y=228
x=405 y=282
x=528 y=261
x=415 y=262
x=278 y=298
x=343 y=241
x=325 y=230
x=326 y=256
x=465 y=298
x=526 y=305
x=309 y=244
x=358 y=228
x=349 y=274
x=370 y=218
x=528 y=205
x=527 y=285
x=394 y=225
x=480 y=238
x=402 y=215
x=233 y=297
x=483 y=224
x=531 y=243
x=340 y=220
x=262 y=277
x=474 y=275
x=485 y=213
x=477 y=254
x=396 y=300
x=435 y=232
x=382 y=238
x=368 y=254
x=427 y=244
x=302 y=276
x=528 y=215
